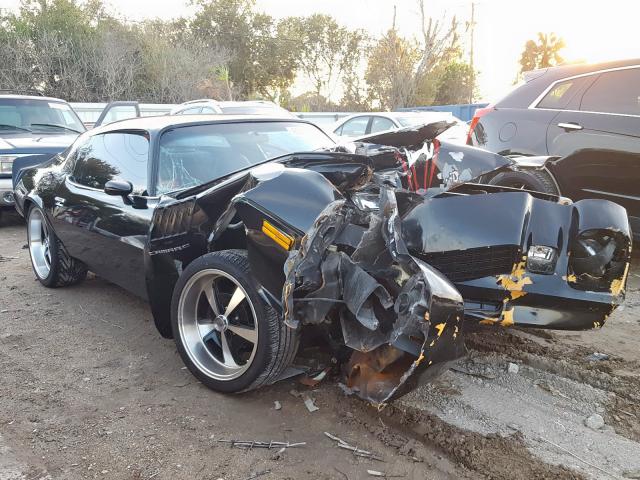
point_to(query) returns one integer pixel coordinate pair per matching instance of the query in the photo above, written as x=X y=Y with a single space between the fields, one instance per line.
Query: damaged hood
x=424 y=161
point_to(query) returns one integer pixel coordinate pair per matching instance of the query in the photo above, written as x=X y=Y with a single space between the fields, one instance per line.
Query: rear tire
x=215 y=334
x=534 y=180
x=51 y=262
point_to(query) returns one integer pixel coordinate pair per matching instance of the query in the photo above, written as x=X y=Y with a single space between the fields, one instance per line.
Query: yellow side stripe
x=282 y=239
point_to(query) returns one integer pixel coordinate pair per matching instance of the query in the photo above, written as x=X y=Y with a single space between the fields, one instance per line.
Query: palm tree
x=543 y=53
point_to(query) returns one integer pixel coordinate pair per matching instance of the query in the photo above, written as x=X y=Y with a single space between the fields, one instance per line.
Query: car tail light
x=479 y=113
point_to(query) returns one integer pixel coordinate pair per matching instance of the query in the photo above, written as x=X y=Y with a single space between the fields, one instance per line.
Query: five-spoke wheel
x=229 y=337
x=218 y=324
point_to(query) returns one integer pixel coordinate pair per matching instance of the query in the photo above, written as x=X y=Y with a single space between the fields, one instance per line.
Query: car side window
x=355 y=127
x=561 y=94
x=208 y=110
x=111 y=156
x=614 y=92
x=380 y=124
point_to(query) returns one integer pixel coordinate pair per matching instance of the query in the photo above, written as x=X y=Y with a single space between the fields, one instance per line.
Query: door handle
x=570 y=126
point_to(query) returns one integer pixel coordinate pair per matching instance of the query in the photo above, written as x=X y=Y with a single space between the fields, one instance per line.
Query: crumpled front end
x=397 y=314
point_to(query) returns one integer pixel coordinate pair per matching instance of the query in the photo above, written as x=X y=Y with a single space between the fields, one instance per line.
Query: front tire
x=226 y=334
x=51 y=262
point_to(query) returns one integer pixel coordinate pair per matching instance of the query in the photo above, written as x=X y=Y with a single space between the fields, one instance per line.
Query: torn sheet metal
x=383 y=296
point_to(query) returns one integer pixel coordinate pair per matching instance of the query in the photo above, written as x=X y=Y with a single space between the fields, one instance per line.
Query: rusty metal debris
x=358 y=452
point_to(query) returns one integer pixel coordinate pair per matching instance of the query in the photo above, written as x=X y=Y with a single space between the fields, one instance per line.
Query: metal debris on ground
x=250 y=444
x=313 y=379
x=375 y=473
x=597 y=357
x=277 y=405
x=358 y=452
x=308 y=402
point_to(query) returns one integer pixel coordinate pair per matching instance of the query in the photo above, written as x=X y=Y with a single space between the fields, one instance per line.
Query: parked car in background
x=32 y=129
x=586 y=115
x=251 y=107
x=361 y=124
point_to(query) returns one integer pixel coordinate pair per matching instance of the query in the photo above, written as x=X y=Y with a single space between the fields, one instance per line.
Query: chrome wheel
x=39 y=244
x=217 y=324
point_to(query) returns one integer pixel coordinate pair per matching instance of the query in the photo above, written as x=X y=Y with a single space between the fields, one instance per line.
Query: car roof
x=536 y=81
x=396 y=115
x=31 y=97
x=161 y=122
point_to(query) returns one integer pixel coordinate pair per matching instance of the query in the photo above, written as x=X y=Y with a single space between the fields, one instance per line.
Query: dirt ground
x=88 y=389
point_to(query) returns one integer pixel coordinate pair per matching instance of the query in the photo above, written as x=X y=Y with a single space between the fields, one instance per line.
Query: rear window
x=198 y=154
x=561 y=94
x=614 y=92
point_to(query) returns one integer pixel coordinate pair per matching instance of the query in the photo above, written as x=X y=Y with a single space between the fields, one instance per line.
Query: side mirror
x=118 y=187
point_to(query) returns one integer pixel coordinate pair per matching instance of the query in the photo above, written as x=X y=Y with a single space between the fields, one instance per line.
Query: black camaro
x=242 y=231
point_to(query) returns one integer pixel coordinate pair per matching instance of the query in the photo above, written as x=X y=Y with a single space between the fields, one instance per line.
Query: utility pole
x=472 y=25
x=393 y=25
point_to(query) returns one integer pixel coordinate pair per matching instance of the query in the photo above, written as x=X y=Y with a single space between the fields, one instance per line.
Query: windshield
x=42 y=116
x=197 y=154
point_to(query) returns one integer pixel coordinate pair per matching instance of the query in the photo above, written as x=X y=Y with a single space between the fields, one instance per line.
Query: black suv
x=32 y=129
x=588 y=115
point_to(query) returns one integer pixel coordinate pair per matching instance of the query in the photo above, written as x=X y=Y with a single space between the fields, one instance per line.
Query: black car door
x=601 y=135
x=108 y=232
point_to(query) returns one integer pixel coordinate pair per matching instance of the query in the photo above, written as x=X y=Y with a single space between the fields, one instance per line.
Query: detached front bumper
x=6 y=194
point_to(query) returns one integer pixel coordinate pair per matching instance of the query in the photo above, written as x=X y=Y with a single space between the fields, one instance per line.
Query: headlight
x=6 y=163
x=541 y=259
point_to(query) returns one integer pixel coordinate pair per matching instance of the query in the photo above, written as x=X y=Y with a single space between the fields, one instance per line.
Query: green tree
x=543 y=53
x=261 y=62
x=454 y=84
x=327 y=51
x=390 y=72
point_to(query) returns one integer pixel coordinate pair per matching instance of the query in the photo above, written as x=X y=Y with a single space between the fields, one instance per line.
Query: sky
x=593 y=30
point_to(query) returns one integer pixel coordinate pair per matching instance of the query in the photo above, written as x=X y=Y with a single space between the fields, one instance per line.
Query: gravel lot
x=89 y=389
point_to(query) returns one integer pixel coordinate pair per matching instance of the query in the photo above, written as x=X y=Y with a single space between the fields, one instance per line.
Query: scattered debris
x=313 y=379
x=250 y=444
x=513 y=368
x=597 y=357
x=277 y=405
x=595 y=421
x=308 y=402
x=356 y=451
x=375 y=473
x=258 y=474
x=295 y=393
x=279 y=454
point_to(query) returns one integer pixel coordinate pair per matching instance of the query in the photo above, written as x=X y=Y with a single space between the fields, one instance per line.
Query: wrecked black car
x=243 y=232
